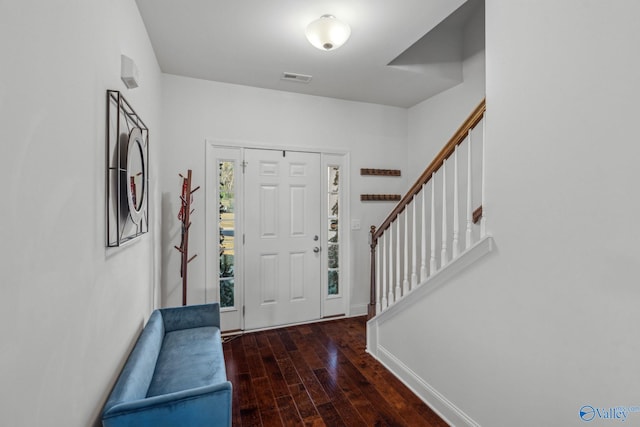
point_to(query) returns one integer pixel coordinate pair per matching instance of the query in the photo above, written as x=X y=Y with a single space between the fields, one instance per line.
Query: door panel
x=269 y=278
x=297 y=196
x=269 y=203
x=296 y=276
x=282 y=219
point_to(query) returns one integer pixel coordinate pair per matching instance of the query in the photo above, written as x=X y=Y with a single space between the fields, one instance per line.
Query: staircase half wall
x=401 y=340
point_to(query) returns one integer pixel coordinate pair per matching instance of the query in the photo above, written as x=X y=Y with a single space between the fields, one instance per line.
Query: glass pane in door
x=333 y=244
x=227 y=225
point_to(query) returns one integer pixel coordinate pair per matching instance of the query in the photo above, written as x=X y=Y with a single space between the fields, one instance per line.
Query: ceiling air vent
x=293 y=77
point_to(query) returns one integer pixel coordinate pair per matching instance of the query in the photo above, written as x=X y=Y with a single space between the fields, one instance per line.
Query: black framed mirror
x=127 y=172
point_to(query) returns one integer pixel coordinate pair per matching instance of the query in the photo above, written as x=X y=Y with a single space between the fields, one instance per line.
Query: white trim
x=449 y=412
x=270 y=328
x=336 y=304
x=358 y=310
x=306 y=322
x=347 y=236
x=267 y=146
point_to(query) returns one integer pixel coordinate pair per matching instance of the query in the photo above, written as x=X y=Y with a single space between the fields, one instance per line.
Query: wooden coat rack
x=185 y=217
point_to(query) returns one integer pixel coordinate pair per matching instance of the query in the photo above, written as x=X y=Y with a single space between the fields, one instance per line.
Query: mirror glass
x=135 y=172
x=135 y=176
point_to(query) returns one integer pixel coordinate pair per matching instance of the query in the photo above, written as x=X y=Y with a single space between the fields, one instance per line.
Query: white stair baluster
x=385 y=278
x=469 y=202
x=398 y=266
x=423 y=238
x=432 y=262
x=405 y=282
x=414 y=245
x=443 y=254
x=392 y=298
x=379 y=288
x=483 y=223
x=455 y=250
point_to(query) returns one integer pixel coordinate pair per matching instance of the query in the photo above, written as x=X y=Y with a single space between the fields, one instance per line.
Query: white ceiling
x=253 y=42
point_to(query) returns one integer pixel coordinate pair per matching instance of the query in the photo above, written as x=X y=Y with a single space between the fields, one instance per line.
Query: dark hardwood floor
x=317 y=375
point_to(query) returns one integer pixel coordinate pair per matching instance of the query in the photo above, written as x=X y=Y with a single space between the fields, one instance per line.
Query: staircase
x=436 y=230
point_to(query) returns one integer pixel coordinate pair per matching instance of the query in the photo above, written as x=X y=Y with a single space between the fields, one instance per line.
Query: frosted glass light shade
x=327 y=33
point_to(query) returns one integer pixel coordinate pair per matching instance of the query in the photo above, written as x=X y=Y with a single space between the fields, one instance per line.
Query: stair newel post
x=373 y=298
x=414 y=246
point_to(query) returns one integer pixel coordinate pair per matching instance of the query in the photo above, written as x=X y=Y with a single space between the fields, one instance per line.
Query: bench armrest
x=202 y=406
x=191 y=316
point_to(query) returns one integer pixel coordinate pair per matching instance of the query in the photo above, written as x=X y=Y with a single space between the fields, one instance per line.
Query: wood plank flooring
x=317 y=375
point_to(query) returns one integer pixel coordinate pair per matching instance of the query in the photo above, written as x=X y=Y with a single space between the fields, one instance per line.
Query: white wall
x=548 y=322
x=69 y=308
x=434 y=121
x=195 y=110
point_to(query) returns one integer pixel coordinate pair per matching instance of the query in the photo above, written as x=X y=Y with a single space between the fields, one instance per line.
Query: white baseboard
x=358 y=310
x=449 y=412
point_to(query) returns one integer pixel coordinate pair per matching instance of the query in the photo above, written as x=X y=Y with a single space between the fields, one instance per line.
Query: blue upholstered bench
x=175 y=375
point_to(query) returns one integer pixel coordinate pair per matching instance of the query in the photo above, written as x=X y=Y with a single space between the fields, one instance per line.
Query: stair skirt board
x=436 y=401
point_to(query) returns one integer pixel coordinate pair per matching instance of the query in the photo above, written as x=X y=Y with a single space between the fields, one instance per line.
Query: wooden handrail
x=444 y=154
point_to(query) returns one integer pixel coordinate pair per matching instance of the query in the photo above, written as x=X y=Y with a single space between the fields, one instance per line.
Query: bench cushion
x=189 y=358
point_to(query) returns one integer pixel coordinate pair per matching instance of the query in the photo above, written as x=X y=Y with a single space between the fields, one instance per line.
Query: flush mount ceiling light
x=327 y=33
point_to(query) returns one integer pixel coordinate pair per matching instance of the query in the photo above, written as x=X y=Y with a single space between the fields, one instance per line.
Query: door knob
x=316 y=249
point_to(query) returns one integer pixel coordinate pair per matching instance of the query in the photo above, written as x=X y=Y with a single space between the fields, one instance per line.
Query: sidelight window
x=333 y=244
x=227 y=226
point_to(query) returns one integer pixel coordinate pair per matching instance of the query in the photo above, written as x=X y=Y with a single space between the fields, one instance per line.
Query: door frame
x=330 y=306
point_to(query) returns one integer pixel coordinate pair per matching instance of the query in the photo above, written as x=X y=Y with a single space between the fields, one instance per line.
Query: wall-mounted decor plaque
x=380 y=197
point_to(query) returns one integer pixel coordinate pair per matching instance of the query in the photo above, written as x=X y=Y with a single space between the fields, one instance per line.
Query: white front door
x=282 y=249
